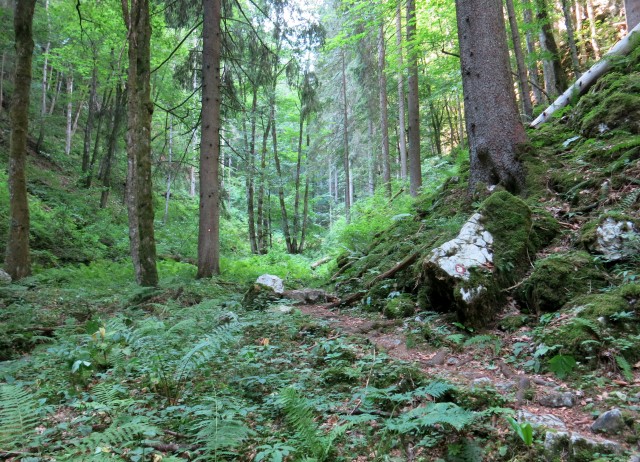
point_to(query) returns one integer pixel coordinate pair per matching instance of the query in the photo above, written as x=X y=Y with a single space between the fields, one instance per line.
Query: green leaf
x=562 y=365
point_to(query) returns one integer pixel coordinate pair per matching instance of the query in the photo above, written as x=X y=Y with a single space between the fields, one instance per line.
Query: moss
x=545 y=228
x=508 y=219
x=259 y=297
x=399 y=307
x=513 y=323
x=557 y=279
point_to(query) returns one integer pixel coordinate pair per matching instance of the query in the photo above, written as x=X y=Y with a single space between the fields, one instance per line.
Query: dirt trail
x=470 y=367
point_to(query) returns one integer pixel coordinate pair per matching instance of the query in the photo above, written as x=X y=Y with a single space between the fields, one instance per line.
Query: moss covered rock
x=399 y=307
x=557 y=279
x=259 y=297
x=613 y=235
x=467 y=274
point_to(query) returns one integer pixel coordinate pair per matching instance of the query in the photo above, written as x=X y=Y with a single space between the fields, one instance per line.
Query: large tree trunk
x=523 y=81
x=632 y=12
x=140 y=110
x=262 y=228
x=296 y=202
x=493 y=125
x=384 y=122
x=402 y=136
x=209 y=224
x=17 y=262
x=413 y=104
x=345 y=142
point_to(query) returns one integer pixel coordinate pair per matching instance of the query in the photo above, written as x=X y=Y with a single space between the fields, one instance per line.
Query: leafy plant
x=625 y=367
x=524 y=430
x=562 y=365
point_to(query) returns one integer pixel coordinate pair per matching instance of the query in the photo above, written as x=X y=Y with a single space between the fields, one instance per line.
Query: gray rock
x=283 y=309
x=609 y=422
x=309 y=296
x=506 y=386
x=452 y=361
x=556 y=443
x=581 y=443
x=559 y=445
x=481 y=382
x=565 y=399
x=5 y=279
x=634 y=458
x=542 y=420
x=613 y=239
x=272 y=281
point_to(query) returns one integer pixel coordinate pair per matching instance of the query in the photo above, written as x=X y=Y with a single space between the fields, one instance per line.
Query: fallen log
x=408 y=261
x=622 y=48
x=320 y=262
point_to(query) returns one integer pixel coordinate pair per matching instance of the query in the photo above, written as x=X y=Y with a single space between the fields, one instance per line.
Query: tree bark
x=555 y=81
x=532 y=66
x=622 y=48
x=345 y=142
x=67 y=145
x=4 y=54
x=17 y=261
x=571 y=38
x=402 y=131
x=262 y=228
x=88 y=128
x=523 y=80
x=167 y=195
x=140 y=110
x=105 y=167
x=384 y=122
x=592 y=29
x=209 y=224
x=251 y=216
x=413 y=104
x=493 y=126
x=632 y=12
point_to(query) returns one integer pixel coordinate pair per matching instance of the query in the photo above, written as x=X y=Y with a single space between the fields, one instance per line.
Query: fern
x=299 y=415
x=204 y=351
x=19 y=415
x=625 y=368
x=468 y=451
x=593 y=326
x=430 y=415
x=630 y=199
x=121 y=433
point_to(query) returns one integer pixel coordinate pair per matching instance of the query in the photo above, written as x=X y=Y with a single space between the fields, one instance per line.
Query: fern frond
x=186 y=325
x=630 y=199
x=430 y=415
x=19 y=415
x=204 y=350
x=485 y=340
x=436 y=389
x=121 y=433
x=593 y=326
x=625 y=367
x=299 y=415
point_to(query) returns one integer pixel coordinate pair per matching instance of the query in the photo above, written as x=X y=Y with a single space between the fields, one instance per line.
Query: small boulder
x=259 y=297
x=542 y=420
x=615 y=237
x=310 y=296
x=5 y=279
x=609 y=422
x=565 y=399
x=272 y=281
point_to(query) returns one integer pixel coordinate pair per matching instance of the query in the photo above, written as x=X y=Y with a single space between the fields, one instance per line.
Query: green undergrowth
x=142 y=374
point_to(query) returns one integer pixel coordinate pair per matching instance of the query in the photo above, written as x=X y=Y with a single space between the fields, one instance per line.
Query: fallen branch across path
x=622 y=48
x=408 y=261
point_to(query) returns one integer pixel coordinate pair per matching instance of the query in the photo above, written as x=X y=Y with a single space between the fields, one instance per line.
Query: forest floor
x=477 y=367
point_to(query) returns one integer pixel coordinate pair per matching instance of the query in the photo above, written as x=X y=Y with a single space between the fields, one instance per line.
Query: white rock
x=4 y=277
x=272 y=281
x=470 y=249
x=613 y=239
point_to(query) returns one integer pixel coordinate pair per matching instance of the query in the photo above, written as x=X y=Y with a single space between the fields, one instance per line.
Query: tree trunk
x=415 y=170
x=251 y=175
x=88 y=128
x=17 y=262
x=105 y=167
x=523 y=81
x=209 y=224
x=555 y=81
x=140 y=110
x=371 y=167
x=632 y=12
x=4 y=54
x=402 y=131
x=167 y=195
x=384 y=122
x=54 y=100
x=276 y=159
x=345 y=142
x=532 y=67
x=592 y=29
x=493 y=125
x=67 y=145
x=296 y=202
x=261 y=232
x=571 y=38
x=106 y=101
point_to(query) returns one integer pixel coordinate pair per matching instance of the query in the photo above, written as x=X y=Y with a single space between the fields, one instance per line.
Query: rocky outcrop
x=5 y=279
x=613 y=236
x=467 y=274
